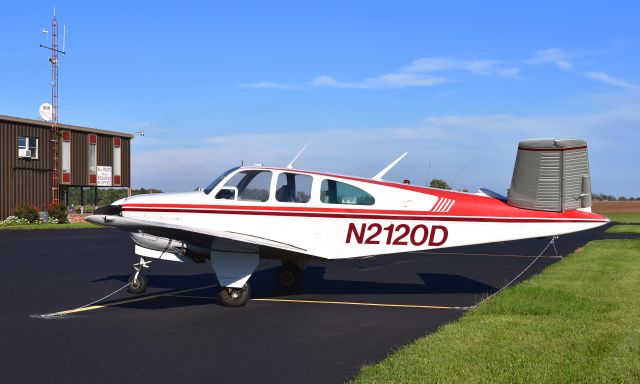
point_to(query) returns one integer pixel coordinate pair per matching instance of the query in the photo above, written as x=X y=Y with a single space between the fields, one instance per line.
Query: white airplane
x=254 y=212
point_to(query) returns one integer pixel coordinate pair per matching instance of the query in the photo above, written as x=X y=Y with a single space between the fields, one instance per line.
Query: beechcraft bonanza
x=254 y=212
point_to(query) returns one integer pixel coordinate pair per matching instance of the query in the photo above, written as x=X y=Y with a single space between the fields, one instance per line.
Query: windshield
x=218 y=179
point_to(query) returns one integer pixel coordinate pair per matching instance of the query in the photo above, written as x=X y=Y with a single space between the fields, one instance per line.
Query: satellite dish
x=46 y=112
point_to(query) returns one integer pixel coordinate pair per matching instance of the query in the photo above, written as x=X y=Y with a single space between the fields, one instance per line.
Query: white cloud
x=510 y=72
x=267 y=85
x=416 y=74
x=554 y=56
x=608 y=79
x=447 y=142
x=441 y=64
x=391 y=80
x=328 y=81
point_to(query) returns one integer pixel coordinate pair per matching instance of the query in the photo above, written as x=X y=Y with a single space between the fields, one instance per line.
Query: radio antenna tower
x=55 y=137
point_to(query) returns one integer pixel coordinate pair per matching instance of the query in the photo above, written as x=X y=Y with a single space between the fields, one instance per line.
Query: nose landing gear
x=137 y=283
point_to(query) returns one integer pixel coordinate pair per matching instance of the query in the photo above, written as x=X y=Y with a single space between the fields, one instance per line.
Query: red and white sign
x=104 y=176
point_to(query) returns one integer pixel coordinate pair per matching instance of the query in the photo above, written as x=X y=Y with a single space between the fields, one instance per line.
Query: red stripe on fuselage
x=347 y=214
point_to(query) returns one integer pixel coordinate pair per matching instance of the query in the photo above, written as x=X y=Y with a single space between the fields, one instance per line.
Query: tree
x=440 y=184
x=107 y=196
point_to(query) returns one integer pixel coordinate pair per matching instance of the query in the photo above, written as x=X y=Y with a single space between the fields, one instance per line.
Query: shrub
x=27 y=212
x=57 y=213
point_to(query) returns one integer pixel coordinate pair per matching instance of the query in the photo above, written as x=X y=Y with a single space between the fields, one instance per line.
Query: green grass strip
x=623 y=218
x=49 y=226
x=632 y=229
x=578 y=321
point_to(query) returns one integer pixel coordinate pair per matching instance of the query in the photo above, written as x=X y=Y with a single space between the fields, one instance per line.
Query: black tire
x=139 y=286
x=226 y=296
x=289 y=278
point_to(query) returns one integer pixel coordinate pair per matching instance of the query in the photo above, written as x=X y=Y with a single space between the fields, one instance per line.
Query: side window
x=251 y=185
x=336 y=192
x=93 y=158
x=293 y=188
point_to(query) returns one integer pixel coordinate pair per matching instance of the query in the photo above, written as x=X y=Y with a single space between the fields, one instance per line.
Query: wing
x=186 y=233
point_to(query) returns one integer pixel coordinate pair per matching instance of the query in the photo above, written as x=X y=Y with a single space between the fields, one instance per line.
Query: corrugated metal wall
x=26 y=181
x=80 y=157
x=29 y=181
x=126 y=161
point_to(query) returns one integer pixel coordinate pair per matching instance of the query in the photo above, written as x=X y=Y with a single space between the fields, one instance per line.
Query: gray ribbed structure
x=551 y=175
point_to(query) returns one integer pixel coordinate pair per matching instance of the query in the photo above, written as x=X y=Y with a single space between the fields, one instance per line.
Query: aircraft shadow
x=263 y=285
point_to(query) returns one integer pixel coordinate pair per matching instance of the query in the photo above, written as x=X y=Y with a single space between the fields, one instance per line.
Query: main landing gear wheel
x=234 y=297
x=137 y=284
x=289 y=278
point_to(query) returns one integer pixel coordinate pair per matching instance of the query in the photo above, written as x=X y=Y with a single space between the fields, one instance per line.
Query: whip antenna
x=290 y=165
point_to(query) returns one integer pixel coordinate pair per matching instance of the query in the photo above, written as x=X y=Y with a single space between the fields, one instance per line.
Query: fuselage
x=332 y=216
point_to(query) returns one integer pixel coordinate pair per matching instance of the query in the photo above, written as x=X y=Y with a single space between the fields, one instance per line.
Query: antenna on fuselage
x=462 y=170
x=388 y=167
x=290 y=165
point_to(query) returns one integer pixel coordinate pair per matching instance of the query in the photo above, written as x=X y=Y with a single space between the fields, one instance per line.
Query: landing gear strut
x=234 y=297
x=137 y=283
x=289 y=278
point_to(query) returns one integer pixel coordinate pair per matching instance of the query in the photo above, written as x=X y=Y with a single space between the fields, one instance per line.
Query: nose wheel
x=234 y=297
x=137 y=282
x=137 y=285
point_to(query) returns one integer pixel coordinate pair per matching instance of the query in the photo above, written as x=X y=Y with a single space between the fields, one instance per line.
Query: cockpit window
x=218 y=179
x=293 y=188
x=336 y=192
x=251 y=185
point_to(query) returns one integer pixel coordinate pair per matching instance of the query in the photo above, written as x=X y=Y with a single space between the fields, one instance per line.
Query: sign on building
x=104 y=176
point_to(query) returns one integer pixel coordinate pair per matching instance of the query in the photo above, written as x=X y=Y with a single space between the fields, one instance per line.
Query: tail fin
x=551 y=175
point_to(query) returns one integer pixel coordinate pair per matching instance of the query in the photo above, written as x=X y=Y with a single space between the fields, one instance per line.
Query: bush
x=57 y=213
x=13 y=220
x=27 y=212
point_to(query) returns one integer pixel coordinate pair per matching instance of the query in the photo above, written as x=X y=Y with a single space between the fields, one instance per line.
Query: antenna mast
x=55 y=136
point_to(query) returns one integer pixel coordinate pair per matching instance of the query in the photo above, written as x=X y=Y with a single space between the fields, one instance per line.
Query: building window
x=293 y=188
x=117 y=160
x=93 y=158
x=336 y=192
x=28 y=147
x=65 y=155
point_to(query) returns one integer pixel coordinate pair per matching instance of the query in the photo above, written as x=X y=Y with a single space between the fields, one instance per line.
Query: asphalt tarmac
x=349 y=313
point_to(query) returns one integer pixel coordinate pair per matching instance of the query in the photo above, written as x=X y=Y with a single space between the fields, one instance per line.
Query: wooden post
x=81 y=200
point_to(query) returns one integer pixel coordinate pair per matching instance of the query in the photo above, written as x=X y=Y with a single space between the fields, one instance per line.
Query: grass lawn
x=633 y=229
x=623 y=218
x=578 y=321
x=49 y=226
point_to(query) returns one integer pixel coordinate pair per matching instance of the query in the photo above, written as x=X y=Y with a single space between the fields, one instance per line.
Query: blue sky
x=456 y=84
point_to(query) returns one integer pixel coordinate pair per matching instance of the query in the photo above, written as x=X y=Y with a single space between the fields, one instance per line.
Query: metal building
x=88 y=157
